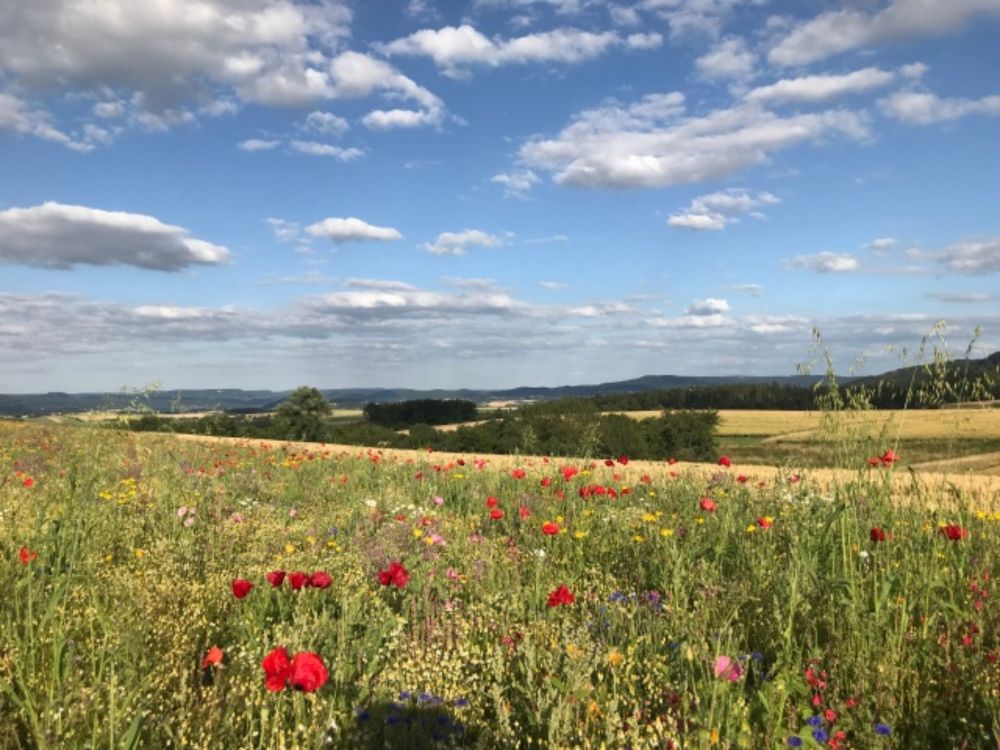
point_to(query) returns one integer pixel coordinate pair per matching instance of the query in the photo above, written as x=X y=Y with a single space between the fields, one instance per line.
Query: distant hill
x=239 y=401
x=236 y=400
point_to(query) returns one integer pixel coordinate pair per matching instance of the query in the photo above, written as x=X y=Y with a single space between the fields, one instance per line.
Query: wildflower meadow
x=163 y=593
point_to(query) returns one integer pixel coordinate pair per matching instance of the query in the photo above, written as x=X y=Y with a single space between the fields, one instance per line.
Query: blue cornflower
x=405 y=695
x=460 y=702
x=820 y=735
x=618 y=596
x=815 y=721
x=883 y=729
x=795 y=741
x=757 y=656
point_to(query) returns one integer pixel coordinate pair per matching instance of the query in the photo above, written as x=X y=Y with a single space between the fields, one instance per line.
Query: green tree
x=303 y=416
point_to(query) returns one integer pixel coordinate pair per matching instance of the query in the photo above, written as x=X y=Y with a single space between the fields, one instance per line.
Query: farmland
x=477 y=601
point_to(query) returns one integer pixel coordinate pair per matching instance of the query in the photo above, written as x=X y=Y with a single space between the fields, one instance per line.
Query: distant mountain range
x=241 y=401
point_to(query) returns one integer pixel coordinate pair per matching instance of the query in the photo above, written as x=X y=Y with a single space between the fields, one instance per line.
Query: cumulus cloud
x=454 y=48
x=754 y=290
x=257 y=144
x=883 y=244
x=961 y=298
x=819 y=88
x=837 y=31
x=18 y=116
x=924 y=108
x=172 y=49
x=380 y=119
x=971 y=256
x=709 y=306
x=284 y=231
x=729 y=58
x=312 y=148
x=381 y=285
x=516 y=183
x=715 y=210
x=649 y=143
x=59 y=236
x=825 y=262
x=326 y=123
x=170 y=62
x=458 y=243
x=340 y=230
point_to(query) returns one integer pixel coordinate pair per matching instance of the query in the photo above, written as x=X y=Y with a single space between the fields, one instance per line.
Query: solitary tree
x=303 y=415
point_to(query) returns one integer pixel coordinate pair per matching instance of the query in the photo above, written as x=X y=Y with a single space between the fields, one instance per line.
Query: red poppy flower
x=212 y=658
x=609 y=462
x=764 y=522
x=27 y=555
x=560 y=597
x=954 y=532
x=546 y=481
x=320 y=580
x=29 y=483
x=276 y=578
x=569 y=472
x=241 y=587
x=308 y=672
x=873 y=461
x=877 y=534
x=277 y=669
x=298 y=579
x=742 y=479
x=550 y=528
x=889 y=457
x=671 y=460
x=496 y=514
x=725 y=461
x=707 y=504
x=491 y=502
x=395 y=575
x=524 y=512
x=518 y=473
x=623 y=460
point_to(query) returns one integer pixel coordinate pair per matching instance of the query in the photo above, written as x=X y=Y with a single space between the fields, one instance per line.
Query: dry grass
x=802 y=425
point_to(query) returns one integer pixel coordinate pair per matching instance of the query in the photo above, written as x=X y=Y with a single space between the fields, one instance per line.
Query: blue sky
x=490 y=193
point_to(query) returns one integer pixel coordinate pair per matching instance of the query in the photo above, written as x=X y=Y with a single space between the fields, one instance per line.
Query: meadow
x=167 y=592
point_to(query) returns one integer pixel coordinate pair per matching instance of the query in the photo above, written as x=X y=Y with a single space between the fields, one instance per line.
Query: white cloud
x=837 y=31
x=168 y=50
x=312 y=148
x=647 y=144
x=883 y=244
x=55 y=235
x=729 y=58
x=922 y=108
x=349 y=229
x=552 y=285
x=380 y=119
x=715 y=210
x=709 y=306
x=326 y=123
x=971 y=256
x=754 y=290
x=284 y=231
x=20 y=117
x=454 y=48
x=516 y=183
x=381 y=285
x=457 y=243
x=825 y=262
x=819 y=88
x=699 y=17
x=109 y=110
x=961 y=298
x=463 y=282
x=257 y=144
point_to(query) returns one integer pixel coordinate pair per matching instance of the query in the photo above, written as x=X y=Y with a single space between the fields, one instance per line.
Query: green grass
x=103 y=633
